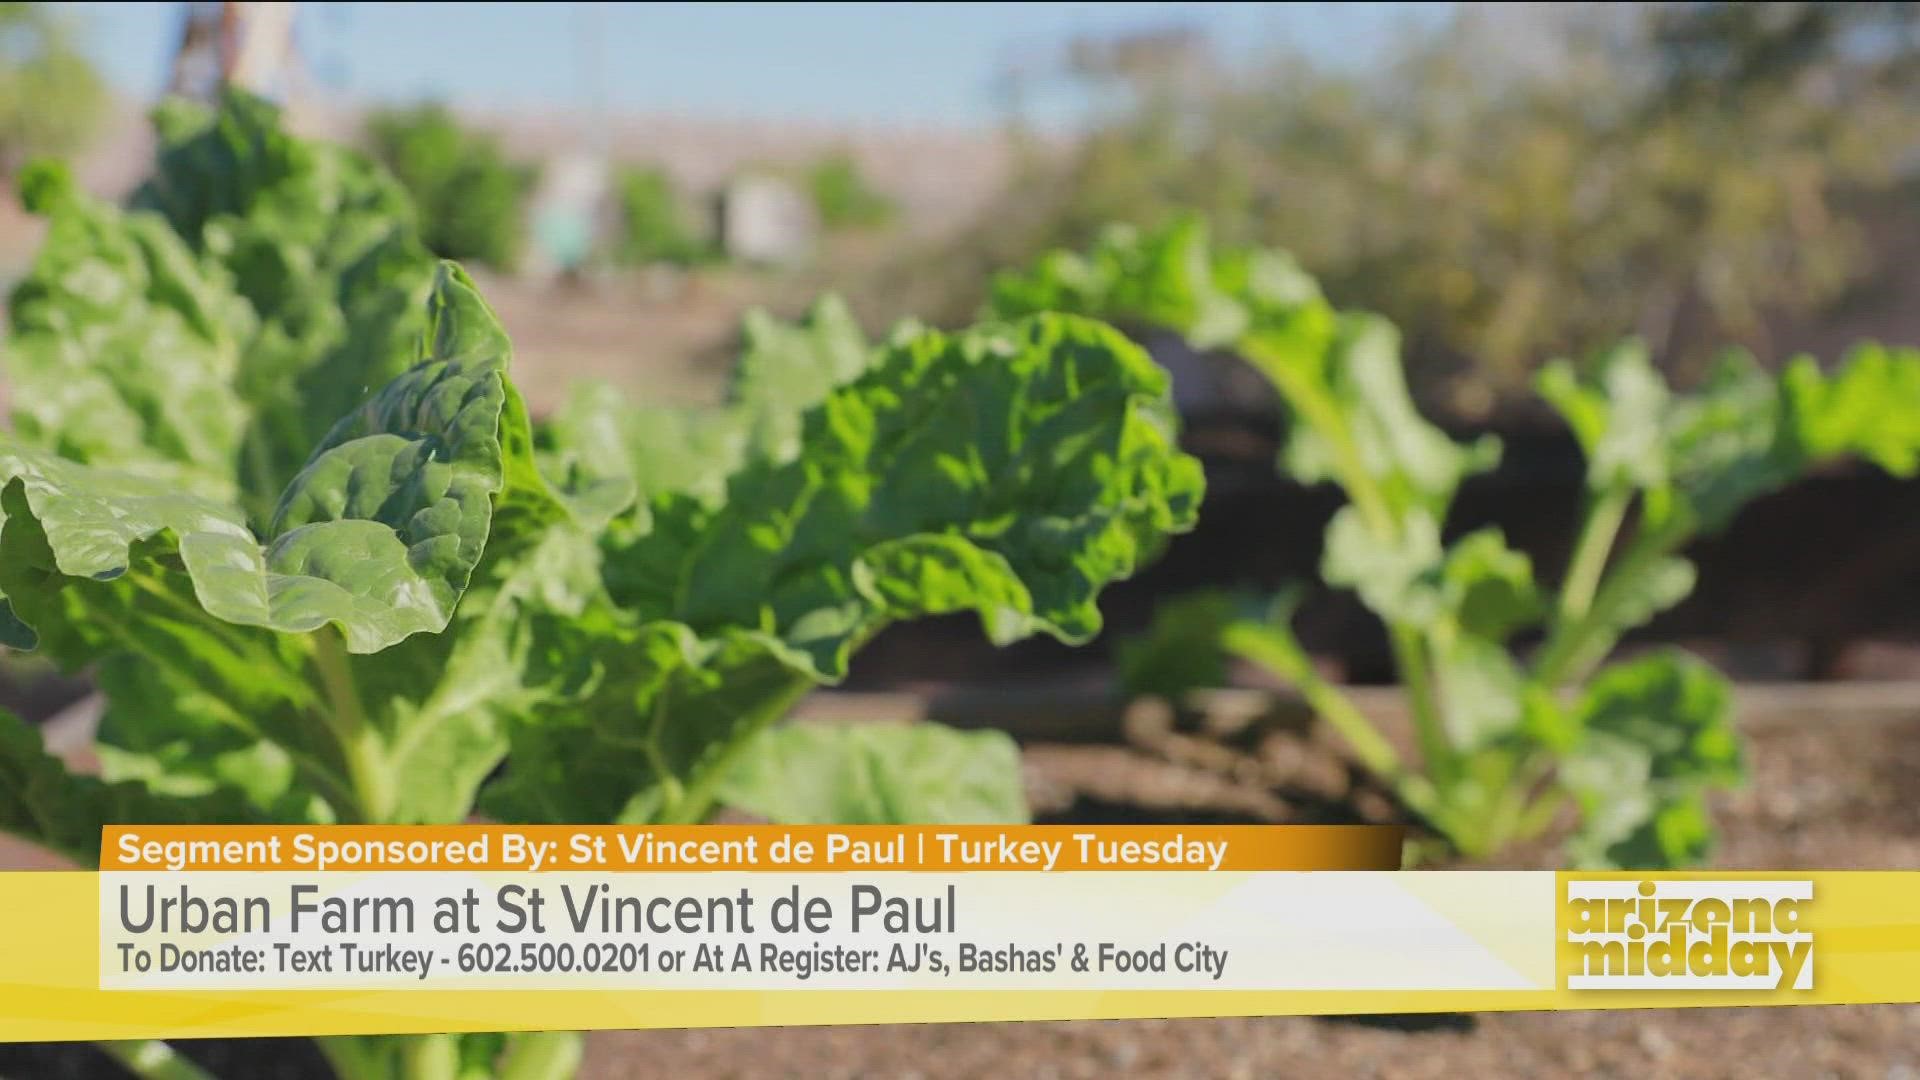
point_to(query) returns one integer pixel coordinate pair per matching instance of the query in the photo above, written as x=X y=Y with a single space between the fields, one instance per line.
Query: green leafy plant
x=51 y=98
x=468 y=192
x=1009 y=470
x=844 y=198
x=654 y=226
x=313 y=669
x=1503 y=741
x=437 y=611
x=859 y=774
x=257 y=288
x=783 y=370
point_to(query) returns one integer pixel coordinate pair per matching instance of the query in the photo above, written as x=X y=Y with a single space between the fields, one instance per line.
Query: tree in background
x=654 y=225
x=51 y=99
x=468 y=192
x=1522 y=183
x=842 y=196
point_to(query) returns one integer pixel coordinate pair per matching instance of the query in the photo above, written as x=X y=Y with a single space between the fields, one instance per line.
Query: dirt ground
x=1878 y=1042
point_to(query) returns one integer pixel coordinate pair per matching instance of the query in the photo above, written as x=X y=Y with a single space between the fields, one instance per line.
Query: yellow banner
x=1184 y=942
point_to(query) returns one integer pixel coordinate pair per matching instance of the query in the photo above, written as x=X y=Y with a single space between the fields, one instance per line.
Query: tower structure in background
x=249 y=45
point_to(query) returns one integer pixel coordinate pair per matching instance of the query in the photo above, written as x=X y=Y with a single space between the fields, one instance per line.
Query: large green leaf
x=598 y=437
x=1618 y=414
x=1011 y=471
x=1654 y=735
x=404 y=607
x=873 y=774
x=787 y=368
x=195 y=708
x=377 y=536
x=124 y=348
x=41 y=801
x=237 y=159
x=1181 y=651
x=1353 y=419
x=319 y=242
x=1699 y=457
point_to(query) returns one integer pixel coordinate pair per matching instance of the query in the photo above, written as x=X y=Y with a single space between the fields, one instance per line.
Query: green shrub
x=550 y=624
x=842 y=196
x=1504 y=740
x=654 y=225
x=468 y=193
x=51 y=99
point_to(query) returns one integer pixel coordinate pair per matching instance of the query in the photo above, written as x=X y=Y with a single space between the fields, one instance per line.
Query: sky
x=853 y=64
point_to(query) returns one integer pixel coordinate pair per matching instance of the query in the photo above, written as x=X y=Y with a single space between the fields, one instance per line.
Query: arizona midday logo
x=1689 y=935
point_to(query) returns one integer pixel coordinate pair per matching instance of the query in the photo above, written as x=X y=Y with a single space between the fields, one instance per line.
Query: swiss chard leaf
x=124 y=347
x=1653 y=735
x=320 y=243
x=873 y=774
x=1489 y=587
x=1869 y=407
x=1397 y=577
x=787 y=368
x=1618 y=414
x=1356 y=423
x=1011 y=471
x=784 y=370
x=596 y=438
x=328 y=662
x=1353 y=419
x=1164 y=277
x=376 y=537
x=41 y=801
x=1698 y=458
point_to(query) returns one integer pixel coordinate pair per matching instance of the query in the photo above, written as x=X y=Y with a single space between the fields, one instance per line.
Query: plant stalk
x=1575 y=645
x=152 y=1059
x=359 y=743
x=542 y=1055
x=697 y=796
x=354 y=1057
x=1410 y=656
x=1377 y=511
x=430 y=1057
x=1605 y=514
x=1323 y=698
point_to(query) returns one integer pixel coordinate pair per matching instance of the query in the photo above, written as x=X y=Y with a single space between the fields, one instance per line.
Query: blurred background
x=1509 y=183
